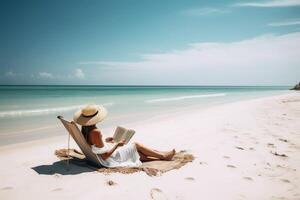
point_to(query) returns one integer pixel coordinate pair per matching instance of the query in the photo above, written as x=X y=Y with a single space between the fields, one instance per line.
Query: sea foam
x=185 y=97
x=42 y=111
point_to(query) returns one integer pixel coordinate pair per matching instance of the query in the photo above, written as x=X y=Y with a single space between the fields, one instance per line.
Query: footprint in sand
x=296 y=195
x=285 y=180
x=111 y=183
x=271 y=145
x=239 y=148
x=157 y=194
x=283 y=140
x=56 y=175
x=231 y=166
x=253 y=138
x=242 y=196
x=279 y=154
x=247 y=178
x=190 y=178
x=7 y=188
x=57 y=190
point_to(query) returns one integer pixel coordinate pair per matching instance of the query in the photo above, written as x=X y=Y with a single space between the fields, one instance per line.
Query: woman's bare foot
x=169 y=155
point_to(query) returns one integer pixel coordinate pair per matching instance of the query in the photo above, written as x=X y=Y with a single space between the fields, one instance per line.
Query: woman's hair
x=86 y=129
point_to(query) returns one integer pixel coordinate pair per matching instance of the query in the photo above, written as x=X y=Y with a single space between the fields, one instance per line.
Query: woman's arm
x=96 y=138
x=109 y=139
x=106 y=155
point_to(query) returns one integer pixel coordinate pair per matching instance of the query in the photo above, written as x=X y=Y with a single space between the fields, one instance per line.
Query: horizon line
x=140 y=85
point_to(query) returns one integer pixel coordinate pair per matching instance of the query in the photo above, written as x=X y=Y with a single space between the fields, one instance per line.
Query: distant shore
x=244 y=150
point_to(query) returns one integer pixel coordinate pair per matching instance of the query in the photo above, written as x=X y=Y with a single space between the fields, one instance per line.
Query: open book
x=122 y=133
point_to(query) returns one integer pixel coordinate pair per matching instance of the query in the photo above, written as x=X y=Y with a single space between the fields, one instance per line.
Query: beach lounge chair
x=74 y=131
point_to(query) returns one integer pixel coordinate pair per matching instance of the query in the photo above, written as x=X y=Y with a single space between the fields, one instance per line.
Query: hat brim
x=88 y=121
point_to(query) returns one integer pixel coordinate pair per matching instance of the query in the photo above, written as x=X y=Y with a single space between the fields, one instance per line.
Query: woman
x=114 y=155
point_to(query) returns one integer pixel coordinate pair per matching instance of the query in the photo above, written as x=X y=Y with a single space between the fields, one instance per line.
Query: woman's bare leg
x=153 y=153
x=145 y=158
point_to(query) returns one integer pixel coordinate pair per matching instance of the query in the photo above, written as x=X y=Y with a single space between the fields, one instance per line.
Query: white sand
x=220 y=170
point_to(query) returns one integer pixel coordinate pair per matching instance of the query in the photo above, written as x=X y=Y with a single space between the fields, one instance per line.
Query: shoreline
x=59 y=132
x=232 y=143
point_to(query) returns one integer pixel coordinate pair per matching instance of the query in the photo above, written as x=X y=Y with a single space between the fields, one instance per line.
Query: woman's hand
x=107 y=154
x=109 y=139
x=121 y=143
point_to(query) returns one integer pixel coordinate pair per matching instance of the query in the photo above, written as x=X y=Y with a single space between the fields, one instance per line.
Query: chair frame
x=76 y=134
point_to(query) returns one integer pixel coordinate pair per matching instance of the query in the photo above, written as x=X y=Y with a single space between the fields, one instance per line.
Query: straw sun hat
x=90 y=115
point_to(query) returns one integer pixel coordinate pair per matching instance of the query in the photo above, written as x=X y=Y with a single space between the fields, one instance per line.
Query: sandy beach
x=243 y=150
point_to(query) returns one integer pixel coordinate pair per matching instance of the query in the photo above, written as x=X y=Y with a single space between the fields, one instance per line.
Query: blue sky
x=150 y=42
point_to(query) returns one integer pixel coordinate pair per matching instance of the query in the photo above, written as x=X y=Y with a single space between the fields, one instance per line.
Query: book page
x=122 y=133
x=128 y=135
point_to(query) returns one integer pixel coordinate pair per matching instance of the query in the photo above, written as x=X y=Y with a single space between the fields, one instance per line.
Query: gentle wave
x=185 y=97
x=45 y=111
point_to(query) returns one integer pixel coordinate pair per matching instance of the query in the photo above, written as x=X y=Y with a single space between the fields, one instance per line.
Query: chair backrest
x=80 y=140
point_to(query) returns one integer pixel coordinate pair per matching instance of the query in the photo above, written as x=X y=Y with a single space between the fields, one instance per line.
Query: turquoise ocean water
x=29 y=112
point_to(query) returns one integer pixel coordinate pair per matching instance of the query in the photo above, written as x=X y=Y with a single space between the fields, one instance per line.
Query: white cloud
x=46 y=75
x=266 y=48
x=271 y=3
x=241 y=61
x=286 y=23
x=205 y=11
x=79 y=74
x=10 y=74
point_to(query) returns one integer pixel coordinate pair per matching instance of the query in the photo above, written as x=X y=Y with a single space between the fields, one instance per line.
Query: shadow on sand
x=81 y=165
x=75 y=166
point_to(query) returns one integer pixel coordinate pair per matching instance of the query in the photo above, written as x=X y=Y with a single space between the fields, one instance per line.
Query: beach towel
x=152 y=168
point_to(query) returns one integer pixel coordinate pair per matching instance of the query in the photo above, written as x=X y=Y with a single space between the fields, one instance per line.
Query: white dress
x=125 y=156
